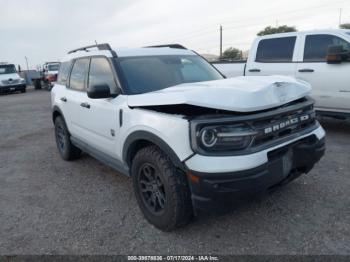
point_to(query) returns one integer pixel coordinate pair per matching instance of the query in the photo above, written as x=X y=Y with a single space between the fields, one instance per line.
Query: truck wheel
x=37 y=84
x=161 y=190
x=65 y=147
x=23 y=90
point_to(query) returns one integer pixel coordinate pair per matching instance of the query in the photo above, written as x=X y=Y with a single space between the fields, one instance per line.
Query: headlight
x=23 y=81
x=221 y=138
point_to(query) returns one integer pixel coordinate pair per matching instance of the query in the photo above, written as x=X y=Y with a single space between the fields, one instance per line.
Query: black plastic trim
x=120 y=117
x=215 y=190
x=341 y=115
x=104 y=46
x=178 y=46
x=138 y=136
x=114 y=163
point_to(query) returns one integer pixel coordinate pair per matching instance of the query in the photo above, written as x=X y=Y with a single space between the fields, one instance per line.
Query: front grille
x=10 y=82
x=268 y=127
x=281 y=125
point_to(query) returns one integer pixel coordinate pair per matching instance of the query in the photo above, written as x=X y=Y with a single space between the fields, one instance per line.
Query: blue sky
x=45 y=30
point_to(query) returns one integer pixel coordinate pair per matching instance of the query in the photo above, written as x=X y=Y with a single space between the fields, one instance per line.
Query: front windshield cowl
x=143 y=74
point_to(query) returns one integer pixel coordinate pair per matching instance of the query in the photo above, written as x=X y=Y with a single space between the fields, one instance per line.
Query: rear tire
x=37 y=84
x=67 y=150
x=161 y=189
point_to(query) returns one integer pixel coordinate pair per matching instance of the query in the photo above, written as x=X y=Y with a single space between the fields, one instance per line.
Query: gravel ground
x=49 y=206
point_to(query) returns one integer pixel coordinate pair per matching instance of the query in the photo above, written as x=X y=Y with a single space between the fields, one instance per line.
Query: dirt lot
x=48 y=206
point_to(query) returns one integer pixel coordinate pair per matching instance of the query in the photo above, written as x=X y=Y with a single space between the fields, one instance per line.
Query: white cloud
x=45 y=30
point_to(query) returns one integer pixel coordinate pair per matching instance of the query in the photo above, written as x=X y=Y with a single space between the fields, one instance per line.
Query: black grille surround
x=272 y=127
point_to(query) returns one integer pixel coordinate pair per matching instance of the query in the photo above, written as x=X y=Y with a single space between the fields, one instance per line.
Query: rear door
x=330 y=82
x=273 y=56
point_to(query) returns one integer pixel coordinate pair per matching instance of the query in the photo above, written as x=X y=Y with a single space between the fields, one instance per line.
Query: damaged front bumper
x=222 y=179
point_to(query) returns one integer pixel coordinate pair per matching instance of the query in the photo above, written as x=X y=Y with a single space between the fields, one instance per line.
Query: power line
x=202 y=32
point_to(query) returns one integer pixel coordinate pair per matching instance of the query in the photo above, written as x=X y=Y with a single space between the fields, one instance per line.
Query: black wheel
x=161 y=189
x=23 y=90
x=65 y=147
x=37 y=84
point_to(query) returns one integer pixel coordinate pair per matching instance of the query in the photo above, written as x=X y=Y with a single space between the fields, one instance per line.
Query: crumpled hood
x=9 y=76
x=240 y=94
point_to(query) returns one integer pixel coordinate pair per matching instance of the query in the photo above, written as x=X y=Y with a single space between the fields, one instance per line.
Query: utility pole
x=340 y=11
x=220 y=41
x=27 y=62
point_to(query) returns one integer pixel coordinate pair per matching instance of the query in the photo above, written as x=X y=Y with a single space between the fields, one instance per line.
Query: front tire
x=67 y=150
x=161 y=189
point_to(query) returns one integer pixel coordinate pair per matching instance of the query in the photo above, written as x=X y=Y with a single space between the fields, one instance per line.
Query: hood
x=240 y=94
x=9 y=76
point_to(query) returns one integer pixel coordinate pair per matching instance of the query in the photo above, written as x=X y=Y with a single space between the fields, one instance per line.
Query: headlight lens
x=223 y=138
x=23 y=81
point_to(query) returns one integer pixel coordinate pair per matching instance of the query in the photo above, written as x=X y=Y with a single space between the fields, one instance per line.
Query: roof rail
x=178 y=46
x=100 y=47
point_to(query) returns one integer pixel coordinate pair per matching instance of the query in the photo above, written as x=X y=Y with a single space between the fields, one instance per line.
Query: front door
x=99 y=118
x=330 y=82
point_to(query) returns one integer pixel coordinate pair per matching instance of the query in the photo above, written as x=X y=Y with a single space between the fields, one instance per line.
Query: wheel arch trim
x=138 y=136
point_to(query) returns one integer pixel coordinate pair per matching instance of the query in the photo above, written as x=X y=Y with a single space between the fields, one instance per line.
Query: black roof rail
x=100 y=47
x=178 y=46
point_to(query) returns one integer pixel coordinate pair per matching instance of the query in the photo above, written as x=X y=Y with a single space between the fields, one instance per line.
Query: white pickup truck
x=318 y=57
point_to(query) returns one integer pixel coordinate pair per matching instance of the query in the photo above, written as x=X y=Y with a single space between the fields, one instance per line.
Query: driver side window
x=101 y=74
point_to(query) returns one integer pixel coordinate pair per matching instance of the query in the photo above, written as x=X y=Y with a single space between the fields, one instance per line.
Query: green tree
x=232 y=53
x=344 y=26
x=275 y=30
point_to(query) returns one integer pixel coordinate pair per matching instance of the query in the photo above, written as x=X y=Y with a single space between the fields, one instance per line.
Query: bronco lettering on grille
x=286 y=123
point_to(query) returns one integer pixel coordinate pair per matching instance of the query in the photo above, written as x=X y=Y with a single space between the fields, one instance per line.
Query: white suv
x=189 y=138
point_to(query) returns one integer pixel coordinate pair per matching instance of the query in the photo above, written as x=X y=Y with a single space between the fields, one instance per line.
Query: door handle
x=255 y=70
x=86 y=105
x=63 y=99
x=306 y=70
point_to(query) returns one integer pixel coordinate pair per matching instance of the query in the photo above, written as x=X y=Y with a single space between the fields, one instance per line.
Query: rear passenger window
x=78 y=75
x=276 y=50
x=101 y=73
x=316 y=47
x=63 y=73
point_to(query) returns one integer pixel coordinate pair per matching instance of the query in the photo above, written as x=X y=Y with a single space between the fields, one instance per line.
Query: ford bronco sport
x=189 y=138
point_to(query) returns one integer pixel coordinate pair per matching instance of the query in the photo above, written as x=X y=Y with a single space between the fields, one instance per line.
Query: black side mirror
x=99 y=91
x=336 y=54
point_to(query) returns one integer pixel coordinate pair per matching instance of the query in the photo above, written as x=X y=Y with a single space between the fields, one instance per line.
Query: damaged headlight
x=221 y=138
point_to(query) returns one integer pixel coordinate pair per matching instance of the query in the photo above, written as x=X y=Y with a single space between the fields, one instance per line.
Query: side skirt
x=114 y=163
x=337 y=115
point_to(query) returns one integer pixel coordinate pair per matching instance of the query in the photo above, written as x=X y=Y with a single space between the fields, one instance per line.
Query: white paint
x=241 y=94
x=330 y=82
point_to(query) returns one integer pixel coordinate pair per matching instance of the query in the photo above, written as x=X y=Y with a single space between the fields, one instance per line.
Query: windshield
x=7 y=69
x=53 y=67
x=151 y=73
